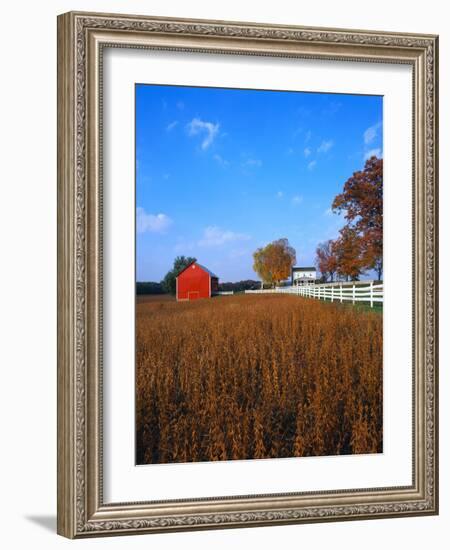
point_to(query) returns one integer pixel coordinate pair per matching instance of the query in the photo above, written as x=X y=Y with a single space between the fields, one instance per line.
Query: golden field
x=256 y=376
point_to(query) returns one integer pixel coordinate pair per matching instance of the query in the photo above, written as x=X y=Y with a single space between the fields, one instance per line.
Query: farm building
x=303 y=275
x=196 y=281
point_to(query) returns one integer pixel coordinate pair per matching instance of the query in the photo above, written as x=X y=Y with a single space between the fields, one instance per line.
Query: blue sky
x=221 y=172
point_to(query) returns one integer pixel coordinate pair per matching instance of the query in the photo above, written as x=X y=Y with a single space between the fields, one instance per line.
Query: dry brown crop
x=256 y=376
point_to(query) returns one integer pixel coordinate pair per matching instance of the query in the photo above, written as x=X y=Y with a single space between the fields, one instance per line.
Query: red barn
x=196 y=281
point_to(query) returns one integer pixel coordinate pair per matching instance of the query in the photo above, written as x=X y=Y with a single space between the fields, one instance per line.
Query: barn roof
x=210 y=273
x=207 y=270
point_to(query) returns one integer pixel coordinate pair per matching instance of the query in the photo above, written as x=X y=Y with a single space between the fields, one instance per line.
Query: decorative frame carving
x=81 y=37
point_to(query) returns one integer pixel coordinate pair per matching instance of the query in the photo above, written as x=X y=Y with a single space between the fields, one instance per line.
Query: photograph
x=259 y=274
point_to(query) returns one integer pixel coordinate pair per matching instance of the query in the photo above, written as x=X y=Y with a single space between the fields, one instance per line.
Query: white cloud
x=180 y=105
x=325 y=146
x=253 y=162
x=183 y=246
x=312 y=165
x=372 y=153
x=371 y=133
x=208 y=129
x=221 y=160
x=171 y=126
x=215 y=236
x=308 y=136
x=238 y=253
x=307 y=151
x=280 y=194
x=328 y=212
x=297 y=199
x=152 y=223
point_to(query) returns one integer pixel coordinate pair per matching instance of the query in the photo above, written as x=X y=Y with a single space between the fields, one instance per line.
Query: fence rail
x=371 y=292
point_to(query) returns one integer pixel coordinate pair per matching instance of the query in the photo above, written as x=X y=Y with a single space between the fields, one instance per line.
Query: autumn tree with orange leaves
x=362 y=202
x=347 y=249
x=273 y=263
x=326 y=259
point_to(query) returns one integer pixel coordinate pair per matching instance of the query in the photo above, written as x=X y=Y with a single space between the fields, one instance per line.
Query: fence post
x=353 y=293
x=340 y=291
x=371 y=293
x=332 y=293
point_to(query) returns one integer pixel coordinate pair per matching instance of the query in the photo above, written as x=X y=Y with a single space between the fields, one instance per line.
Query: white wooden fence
x=370 y=291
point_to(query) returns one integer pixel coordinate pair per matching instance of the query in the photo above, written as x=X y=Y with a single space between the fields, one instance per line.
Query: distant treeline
x=149 y=288
x=158 y=288
x=239 y=286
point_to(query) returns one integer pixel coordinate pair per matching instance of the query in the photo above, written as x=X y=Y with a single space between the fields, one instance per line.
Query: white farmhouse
x=303 y=275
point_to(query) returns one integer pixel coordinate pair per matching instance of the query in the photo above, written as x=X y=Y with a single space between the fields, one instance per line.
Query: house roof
x=304 y=269
x=210 y=273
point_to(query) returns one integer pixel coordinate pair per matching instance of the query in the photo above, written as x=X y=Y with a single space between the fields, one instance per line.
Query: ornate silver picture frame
x=82 y=40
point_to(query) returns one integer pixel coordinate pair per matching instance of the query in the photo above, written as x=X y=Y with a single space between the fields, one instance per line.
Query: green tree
x=169 y=283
